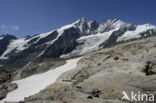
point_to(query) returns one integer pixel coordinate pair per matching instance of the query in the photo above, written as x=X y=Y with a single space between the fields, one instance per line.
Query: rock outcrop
x=6 y=88
x=103 y=75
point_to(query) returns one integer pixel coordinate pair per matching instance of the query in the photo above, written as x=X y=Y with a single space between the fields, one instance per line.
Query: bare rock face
x=3 y=94
x=103 y=75
x=7 y=87
x=4 y=76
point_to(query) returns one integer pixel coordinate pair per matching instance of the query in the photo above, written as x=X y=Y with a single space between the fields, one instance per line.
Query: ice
x=34 y=84
x=90 y=43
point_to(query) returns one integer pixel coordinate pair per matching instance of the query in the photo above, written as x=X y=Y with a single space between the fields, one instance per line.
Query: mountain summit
x=75 y=39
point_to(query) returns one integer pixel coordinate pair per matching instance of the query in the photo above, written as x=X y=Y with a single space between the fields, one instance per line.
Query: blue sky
x=29 y=17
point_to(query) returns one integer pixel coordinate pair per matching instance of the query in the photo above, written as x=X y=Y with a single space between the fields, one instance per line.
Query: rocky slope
x=101 y=76
x=20 y=58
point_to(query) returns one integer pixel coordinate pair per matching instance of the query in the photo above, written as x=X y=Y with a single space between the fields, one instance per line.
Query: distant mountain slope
x=103 y=75
x=4 y=42
x=75 y=39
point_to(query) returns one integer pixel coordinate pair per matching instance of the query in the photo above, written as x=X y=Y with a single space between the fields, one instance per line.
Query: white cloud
x=6 y=28
x=15 y=27
x=3 y=27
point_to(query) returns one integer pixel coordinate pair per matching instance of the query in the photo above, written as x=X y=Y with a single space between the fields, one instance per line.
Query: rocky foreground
x=8 y=75
x=103 y=75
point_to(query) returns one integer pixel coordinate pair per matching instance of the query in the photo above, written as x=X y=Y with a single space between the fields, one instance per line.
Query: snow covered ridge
x=91 y=36
x=136 y=33
x=35 y=83
x=1 y=37
x=108 y=30
x=22 y=44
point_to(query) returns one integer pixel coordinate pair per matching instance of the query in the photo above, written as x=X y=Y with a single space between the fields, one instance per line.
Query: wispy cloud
x=2 y=26
x=6 y=28
x=15 y=27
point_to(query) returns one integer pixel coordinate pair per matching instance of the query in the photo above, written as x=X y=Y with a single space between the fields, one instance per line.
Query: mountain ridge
x=24 y=57
x=78 y=38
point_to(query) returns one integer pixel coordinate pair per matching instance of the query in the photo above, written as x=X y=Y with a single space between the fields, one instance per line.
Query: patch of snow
x=19 y=44
x=112 y=24
x=89 y=23
x=1 y=38
x=43 y=35
x=136 y=33
x=150 y=32
x=61 y=30
x=34 y=84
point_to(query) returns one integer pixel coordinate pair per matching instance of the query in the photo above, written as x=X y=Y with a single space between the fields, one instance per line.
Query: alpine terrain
x=82 y=62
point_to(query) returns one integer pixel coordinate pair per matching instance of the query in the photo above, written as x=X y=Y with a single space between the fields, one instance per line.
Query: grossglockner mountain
x=75 y=39
x=85 y=61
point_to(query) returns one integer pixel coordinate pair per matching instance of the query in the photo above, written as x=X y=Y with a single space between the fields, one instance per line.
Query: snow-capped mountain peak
x=114 y=23
x=78 y=38
x=81 y=21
